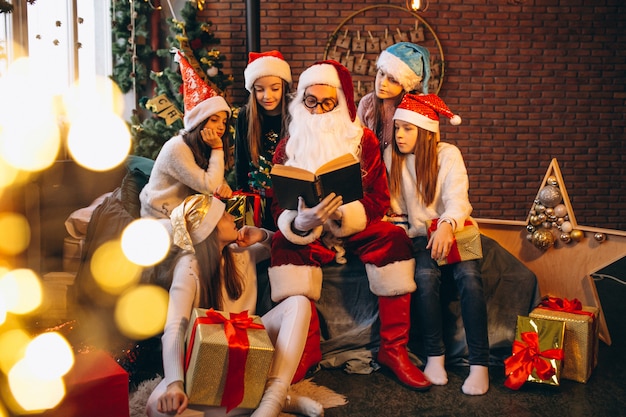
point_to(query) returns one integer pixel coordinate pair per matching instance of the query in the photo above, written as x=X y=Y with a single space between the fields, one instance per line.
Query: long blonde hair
x=426 y=166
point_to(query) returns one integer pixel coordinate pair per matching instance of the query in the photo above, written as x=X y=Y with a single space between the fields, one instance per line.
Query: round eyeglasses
x=328 y=104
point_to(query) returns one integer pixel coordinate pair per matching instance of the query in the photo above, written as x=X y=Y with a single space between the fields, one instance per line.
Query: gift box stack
x=228 y=359
x=580 y=343
x=558 y=340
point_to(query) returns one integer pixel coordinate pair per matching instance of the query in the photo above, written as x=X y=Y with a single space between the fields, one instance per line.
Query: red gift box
x=97 y=386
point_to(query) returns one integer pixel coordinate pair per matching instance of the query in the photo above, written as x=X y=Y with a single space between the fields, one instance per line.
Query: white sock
x=273 y=399
x=477 y=383
x=435 y=370
x=300 y=404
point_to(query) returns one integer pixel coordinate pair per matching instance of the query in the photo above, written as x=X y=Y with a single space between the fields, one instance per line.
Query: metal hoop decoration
x=334 y=35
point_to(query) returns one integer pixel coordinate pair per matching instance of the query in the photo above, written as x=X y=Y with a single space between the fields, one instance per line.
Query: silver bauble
x=550 y=196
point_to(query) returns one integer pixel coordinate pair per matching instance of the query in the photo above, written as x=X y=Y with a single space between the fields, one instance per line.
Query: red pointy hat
x=423 y=110
x=201 y=101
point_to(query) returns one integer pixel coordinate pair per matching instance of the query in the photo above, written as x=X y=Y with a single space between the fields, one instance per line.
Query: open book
x=341 y=176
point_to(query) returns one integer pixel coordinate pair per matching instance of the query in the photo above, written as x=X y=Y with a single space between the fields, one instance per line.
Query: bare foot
x=477 y=383
x=435 y=370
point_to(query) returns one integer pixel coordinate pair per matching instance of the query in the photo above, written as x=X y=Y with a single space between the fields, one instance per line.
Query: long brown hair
x=426 y=166
x=255 y=117
x=213 y=275
x=200 y=149
x=379 y=122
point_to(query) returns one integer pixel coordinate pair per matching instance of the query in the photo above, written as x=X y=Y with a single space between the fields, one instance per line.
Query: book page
x=340 y=162
x=292 y=172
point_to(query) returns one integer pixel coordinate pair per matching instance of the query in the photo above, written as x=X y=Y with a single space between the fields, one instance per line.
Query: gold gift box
x=467 y=243
x=580 y=344
x=205 y=377
x=551 y=334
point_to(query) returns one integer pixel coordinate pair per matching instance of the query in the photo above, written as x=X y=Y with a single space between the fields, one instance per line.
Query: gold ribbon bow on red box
x=528 y=357
x=235 y=329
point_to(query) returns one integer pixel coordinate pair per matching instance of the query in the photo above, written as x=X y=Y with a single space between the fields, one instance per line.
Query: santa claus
x=324 y=126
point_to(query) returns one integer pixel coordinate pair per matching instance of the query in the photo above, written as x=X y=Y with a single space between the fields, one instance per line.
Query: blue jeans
x=473 y=307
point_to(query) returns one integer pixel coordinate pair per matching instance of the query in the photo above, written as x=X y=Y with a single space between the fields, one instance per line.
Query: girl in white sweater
x=216 y=269
x=193 y=161
x=428 y=180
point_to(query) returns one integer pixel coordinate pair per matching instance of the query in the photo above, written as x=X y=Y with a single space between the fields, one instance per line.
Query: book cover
x=341 y=176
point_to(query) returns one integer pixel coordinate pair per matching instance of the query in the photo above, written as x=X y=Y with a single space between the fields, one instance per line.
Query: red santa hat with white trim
x=264 y=64
x=423 y=110
x=330 y=73
x=201 y=101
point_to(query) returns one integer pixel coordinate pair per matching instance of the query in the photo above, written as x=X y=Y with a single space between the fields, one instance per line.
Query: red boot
x=394 y=313
x=312 y=354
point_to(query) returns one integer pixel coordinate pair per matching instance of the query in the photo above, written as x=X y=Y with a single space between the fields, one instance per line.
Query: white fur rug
x=325 y=396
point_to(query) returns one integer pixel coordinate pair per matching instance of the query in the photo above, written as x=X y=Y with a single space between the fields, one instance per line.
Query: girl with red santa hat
x=428 y=180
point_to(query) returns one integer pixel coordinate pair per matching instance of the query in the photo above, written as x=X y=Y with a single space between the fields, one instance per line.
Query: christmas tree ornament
x=577 y=235
x=567 y=227
x=550 y=196
x=560 y=210
x=599 y=237
x=543 y=239
x=552 y=180
x=565 y=237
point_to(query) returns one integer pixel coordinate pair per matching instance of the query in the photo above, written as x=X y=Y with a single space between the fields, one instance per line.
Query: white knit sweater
x=176 y=175
x=451 y=196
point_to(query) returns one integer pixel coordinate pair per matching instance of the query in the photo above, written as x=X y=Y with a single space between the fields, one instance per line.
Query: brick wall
x=532 y=79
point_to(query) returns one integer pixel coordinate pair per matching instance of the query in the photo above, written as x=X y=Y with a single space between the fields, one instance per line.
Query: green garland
x=150 y=134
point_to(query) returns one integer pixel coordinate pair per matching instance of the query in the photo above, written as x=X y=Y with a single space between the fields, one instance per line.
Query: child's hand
x=224 y=191
x=249 y=235
x=211 y=138
x=441 y=241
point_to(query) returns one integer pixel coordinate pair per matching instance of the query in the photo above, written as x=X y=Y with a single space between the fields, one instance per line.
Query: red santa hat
x=201 y=101
x=263 y=64
x=423 y=111
x=330 y=73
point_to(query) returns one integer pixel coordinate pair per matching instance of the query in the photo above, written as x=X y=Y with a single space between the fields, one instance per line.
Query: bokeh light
x=13 y=344
x=145 y=241
x=30 y=138
x=112 y=270
x=22 y=290
x=140 y=313
x=99 y=141
x=31 y=391
x=100 y=94
x=8 y=173
x=15 y=233
x=49 y=355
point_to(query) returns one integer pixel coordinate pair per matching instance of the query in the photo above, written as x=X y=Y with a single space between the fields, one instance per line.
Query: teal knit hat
x=408 y=63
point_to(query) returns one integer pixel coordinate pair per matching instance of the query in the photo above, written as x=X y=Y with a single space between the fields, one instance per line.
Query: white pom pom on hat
x=423 y=111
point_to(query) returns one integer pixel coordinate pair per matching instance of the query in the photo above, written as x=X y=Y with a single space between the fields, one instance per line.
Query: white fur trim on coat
x=284 y=225
x=353 y=220
x=392 y=279
x=288 y=280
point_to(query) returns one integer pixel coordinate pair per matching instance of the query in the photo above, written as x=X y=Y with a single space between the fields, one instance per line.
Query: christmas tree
x=193 y=37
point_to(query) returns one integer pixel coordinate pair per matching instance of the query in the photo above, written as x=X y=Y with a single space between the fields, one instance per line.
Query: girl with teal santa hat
x=403 y=67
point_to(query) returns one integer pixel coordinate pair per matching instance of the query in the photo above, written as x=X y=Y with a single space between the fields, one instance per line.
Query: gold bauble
x=543 y=239
x=599 y=237
x=577 y=235
x=552 y=180
x=535 y=220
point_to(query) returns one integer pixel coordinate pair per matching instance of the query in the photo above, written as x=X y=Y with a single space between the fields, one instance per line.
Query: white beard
x=315 y=139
